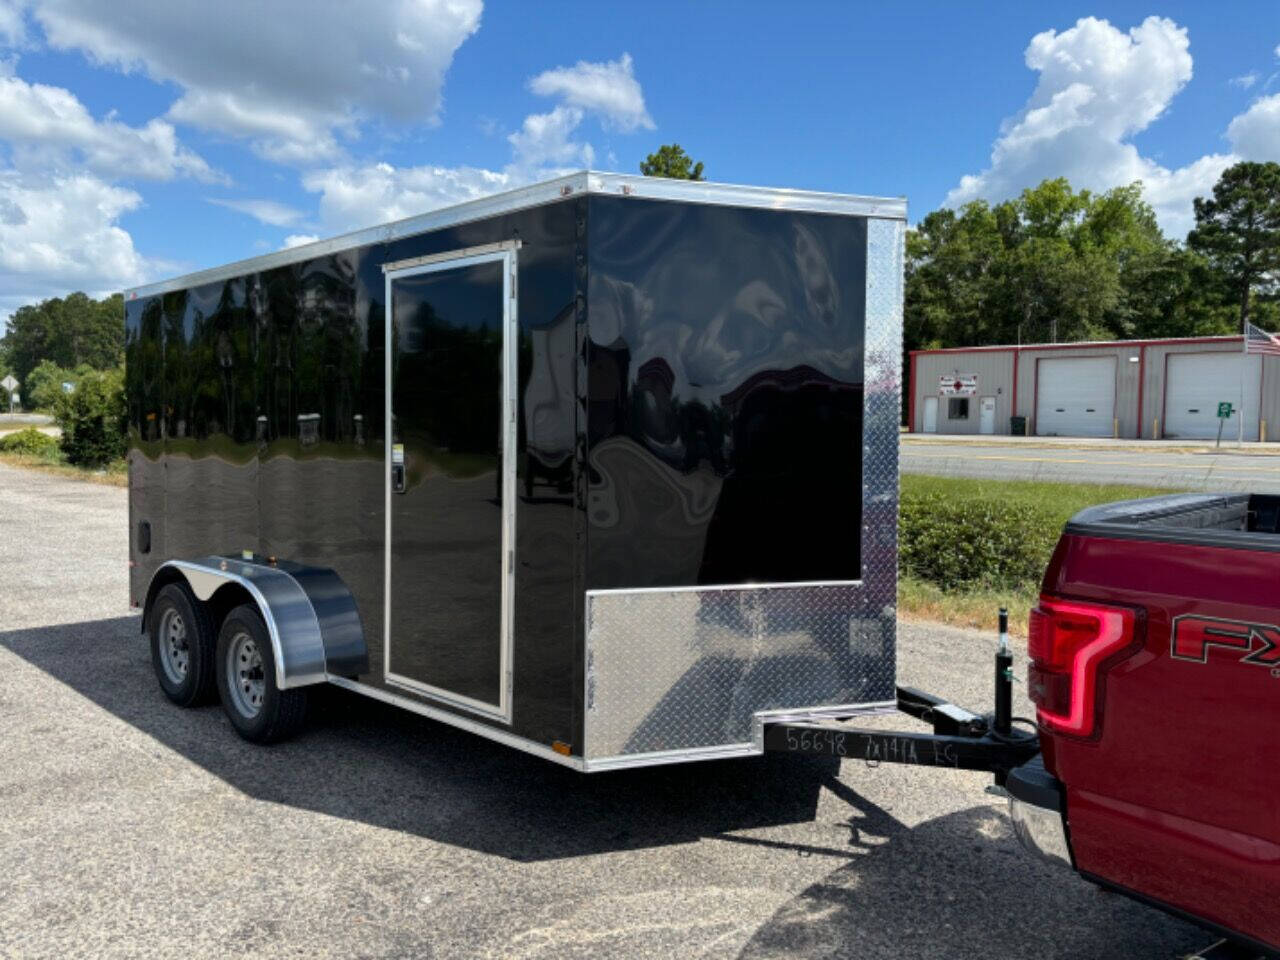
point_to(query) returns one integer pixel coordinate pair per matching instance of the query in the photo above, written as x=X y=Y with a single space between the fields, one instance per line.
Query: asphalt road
x=1224 y=471
x=25 y=420
x=129 y=827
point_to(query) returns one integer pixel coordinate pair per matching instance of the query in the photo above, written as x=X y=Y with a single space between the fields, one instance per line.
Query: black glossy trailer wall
x=256 y=409
x=725 y=378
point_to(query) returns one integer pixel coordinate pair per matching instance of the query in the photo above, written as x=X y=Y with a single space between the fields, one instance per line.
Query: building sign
x=960 y=385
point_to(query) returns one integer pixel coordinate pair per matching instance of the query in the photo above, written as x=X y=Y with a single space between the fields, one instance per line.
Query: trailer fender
x=310 y=614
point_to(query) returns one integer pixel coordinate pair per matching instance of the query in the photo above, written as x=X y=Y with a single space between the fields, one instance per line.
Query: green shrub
x=962 y=542
x=30 y=442
x=92 y=418
x=43 y=386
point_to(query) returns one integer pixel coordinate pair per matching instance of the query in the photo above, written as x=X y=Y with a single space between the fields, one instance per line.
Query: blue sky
x=140 y=140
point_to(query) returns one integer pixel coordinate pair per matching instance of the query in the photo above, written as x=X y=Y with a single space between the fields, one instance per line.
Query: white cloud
x=13 y=30
x=48 y=126
x=59 y=234
x=1245 y=81
x=609 y=89
x=1098 y=88
x=360 y=195
x=275 y=135
x=1255 y=134
x=1171 y=192
x=352 y=197
x=270 y=212
x=59 y=211
x=544 y=140
x=292 y=80
x=299 y=239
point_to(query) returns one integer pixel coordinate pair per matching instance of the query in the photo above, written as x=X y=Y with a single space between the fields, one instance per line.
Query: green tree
x=1181 y=295
x=92 y=419
x=1054 y=264
x=671 y=161
x=67 y=331
x=951 y=260
x=1238 y=231
x=43 y=386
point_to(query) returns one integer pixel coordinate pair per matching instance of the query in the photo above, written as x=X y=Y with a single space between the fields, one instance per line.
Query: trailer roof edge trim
x=549 y=191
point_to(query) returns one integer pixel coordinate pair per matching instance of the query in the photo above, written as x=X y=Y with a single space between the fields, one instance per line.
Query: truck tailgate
x=1177 y=796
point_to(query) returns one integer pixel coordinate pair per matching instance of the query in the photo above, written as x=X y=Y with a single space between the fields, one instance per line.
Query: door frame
x=924 y=420
x=984 y=404
x=1115 y=392
x=506 y=253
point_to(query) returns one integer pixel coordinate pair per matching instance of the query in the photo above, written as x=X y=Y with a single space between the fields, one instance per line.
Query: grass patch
x=968 y=547
x=976 y=607
x=114 y=474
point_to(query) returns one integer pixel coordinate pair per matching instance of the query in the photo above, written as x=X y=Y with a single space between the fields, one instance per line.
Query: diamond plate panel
x=688 y=669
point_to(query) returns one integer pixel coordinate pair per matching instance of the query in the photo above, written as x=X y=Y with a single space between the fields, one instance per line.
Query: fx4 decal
x=1193 y=636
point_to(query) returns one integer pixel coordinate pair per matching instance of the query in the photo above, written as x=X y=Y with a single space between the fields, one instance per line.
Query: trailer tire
x=259 y=710
x=182 y=646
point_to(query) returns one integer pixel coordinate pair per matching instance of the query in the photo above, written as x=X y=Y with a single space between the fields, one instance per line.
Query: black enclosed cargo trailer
x=604 y=468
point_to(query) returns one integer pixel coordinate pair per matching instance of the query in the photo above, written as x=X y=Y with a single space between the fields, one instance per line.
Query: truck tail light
x=1071 y=645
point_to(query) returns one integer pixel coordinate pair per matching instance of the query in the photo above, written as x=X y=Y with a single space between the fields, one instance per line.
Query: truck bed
x=1236 y=520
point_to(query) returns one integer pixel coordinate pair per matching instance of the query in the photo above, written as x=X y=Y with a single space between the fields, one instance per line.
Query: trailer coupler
x=960 y=740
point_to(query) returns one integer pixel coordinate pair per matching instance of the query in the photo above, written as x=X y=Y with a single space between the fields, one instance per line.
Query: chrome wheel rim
x=245 y=677
x=175 y=651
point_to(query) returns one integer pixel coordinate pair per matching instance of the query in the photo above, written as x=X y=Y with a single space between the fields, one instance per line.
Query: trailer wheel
x=259 y=710
x=182 y=642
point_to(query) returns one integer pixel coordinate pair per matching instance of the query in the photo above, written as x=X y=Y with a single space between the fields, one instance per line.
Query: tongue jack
x=1003 y=723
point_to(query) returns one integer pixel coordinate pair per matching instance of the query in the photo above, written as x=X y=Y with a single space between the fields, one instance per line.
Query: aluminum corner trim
x=549 y=191
x=482 y=208
x=740 y=195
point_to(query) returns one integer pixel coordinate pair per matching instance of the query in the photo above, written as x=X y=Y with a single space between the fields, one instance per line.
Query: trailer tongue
x=960 y=739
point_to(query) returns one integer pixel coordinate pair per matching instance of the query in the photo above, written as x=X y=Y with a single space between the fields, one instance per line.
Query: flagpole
x=1244 y=372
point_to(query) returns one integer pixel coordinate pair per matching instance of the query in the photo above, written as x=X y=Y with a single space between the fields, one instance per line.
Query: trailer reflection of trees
x=547 y=425
x=245 y=358
x=446 y=378
x=144 y=372
x=312 y=367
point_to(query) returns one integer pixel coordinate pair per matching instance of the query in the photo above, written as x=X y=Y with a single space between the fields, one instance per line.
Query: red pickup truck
x=1155 y=670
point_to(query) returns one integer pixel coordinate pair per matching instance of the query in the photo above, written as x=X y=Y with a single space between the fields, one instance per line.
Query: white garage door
x=1198 y=382
x=1075 y=396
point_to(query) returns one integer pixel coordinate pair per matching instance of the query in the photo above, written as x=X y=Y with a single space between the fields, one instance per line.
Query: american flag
x=1257 y=340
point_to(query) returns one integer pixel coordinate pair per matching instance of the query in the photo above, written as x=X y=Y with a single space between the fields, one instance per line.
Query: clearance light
x=560 y=747
x=1070 y=644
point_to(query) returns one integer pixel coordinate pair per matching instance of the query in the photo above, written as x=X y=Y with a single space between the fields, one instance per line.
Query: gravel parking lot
x=129 y=827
